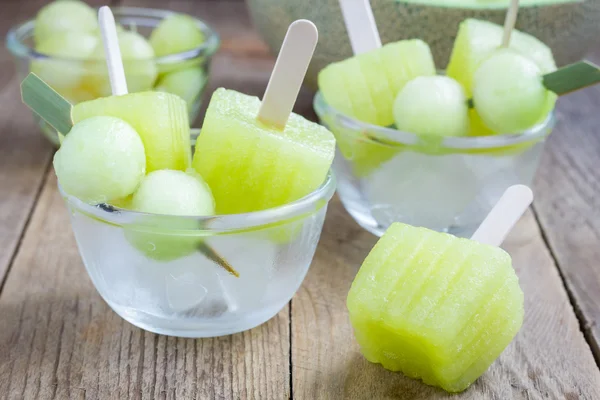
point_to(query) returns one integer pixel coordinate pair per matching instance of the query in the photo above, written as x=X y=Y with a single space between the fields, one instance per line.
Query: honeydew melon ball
x=169 y=192
x=186 y=83
x=172 y=192
x=65 y=67
x=432 y=105
x=101 y=159
x=138 y=63
x=175 y=34
x=508 y=92
x=69 y=16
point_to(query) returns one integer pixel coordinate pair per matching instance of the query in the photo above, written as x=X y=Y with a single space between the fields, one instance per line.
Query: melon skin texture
x=570 y=28
x=365 y=86
x=169 y=192
x=161 y=120
x=251 y=166
x=101 y=159
x=435 y=307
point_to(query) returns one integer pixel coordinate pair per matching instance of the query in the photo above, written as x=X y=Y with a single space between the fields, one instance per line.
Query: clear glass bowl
x=93 y=75
x=176 y=275
x=446 y=184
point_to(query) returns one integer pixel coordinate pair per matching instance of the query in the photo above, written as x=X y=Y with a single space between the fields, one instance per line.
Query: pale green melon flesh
x=251 y=166
x=477 y=40
x=161 y=120
x=370 y=79
x=169 y=192
x=101 y=159
x=434 y=306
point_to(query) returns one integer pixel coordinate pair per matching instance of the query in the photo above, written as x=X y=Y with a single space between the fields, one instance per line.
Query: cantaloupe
x=569 y=27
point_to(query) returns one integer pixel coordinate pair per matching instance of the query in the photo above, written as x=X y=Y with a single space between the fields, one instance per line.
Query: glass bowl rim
x=207 y=48
x=213 y=223
x=393 y=137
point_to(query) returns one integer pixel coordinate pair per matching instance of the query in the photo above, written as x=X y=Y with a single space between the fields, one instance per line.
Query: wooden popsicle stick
x=114 y=62
x=287 y=76
x=509 y=22
x=361 y=25
x=505 y=214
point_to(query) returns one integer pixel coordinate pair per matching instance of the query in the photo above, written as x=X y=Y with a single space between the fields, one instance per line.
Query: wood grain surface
x=24 y=153
x=549 y=359
x=59 y=340
x=568 y=203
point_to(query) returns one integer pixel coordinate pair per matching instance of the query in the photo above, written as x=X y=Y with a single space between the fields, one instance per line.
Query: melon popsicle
x=476 y=41
x=256 y=156
x=365 y=86
x=437 y=307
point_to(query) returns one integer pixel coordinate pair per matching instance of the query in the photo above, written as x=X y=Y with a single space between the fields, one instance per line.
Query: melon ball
x=65 y=68
x=169 y=192
x=175 y=34
x=432 y=105
x=172 y=192
x=508 y=92
x=71 y=16
x=138 y=63
x=186 y=83
x=101 y=159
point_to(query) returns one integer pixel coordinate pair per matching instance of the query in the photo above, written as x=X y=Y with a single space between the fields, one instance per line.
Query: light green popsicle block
x=435 y=307
x=364 y=86
x=161 y=119
x=251 y=166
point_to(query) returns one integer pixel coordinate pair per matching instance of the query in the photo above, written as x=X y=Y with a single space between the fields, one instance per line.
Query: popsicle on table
x=257 y=155
x=438 y=307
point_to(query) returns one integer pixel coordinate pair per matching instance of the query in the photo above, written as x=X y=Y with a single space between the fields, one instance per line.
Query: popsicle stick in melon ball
x=258 y=155
x=437 y=307
x=509 y=22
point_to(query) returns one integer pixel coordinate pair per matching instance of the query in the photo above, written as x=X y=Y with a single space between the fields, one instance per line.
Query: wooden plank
x=548 y=359
x=568 y=202
x=58 y=339
x=24 y=153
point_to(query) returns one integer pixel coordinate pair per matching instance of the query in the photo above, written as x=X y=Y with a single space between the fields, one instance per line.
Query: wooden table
x=59 y=340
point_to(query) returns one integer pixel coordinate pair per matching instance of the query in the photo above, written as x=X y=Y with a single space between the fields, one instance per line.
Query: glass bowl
x=199 y=276
x=92 y=75
x=445 y=184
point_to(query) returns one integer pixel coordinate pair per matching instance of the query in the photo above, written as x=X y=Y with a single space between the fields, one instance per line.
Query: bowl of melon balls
x=161 y=51
x=438 y=148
